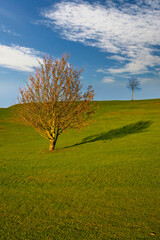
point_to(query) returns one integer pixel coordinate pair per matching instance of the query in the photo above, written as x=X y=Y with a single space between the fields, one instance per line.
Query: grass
x=100 y=183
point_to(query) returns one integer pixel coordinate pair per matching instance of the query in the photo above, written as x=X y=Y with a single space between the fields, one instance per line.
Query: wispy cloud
x=18 y=57
x=108 y=80
x=128 y=31
x=117 y=58
x=5 y=29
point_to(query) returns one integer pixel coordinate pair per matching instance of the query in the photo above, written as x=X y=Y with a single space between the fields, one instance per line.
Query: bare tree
x=53 y=100
x=133 y=85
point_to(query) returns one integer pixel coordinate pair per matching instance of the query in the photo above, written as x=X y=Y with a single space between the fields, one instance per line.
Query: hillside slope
x=100 y=183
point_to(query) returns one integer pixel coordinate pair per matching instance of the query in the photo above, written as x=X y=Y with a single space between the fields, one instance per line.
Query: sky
x=112 y=40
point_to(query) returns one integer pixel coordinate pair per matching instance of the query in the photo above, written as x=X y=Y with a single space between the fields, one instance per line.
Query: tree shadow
x=133 y=128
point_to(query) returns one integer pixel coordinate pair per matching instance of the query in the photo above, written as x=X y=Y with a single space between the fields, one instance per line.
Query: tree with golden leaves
x=53 y=100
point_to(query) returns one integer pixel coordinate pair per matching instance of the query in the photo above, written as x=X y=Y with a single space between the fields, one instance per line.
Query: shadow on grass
x=133 y=128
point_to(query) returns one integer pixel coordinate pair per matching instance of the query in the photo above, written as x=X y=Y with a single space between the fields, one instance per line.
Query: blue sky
x=112 y=40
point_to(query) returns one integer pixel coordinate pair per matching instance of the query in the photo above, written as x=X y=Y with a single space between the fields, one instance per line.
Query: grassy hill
x=100 y=183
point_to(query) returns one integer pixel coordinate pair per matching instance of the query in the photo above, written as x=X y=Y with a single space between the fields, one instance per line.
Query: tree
x=54 y=101
x=133 y=85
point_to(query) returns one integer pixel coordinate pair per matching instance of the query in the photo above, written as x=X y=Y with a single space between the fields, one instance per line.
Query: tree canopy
x=54 y=100
x=133 y=85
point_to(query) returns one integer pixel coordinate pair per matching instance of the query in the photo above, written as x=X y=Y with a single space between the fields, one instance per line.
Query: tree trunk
x=52 y=145
x=132 y=94
x=53 y=142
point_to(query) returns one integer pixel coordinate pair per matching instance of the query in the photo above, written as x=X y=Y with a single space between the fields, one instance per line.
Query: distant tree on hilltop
x=133 y=85
x=53 y=100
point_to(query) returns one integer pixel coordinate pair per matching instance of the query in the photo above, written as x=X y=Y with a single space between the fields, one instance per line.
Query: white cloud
x=140 y=62
x=18 y=58
x=128 y=30
x=108 y=80
x=102 y=70
x=117 y=57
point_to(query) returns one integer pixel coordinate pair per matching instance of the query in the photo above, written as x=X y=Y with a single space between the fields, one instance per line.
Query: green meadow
x=102 y=182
